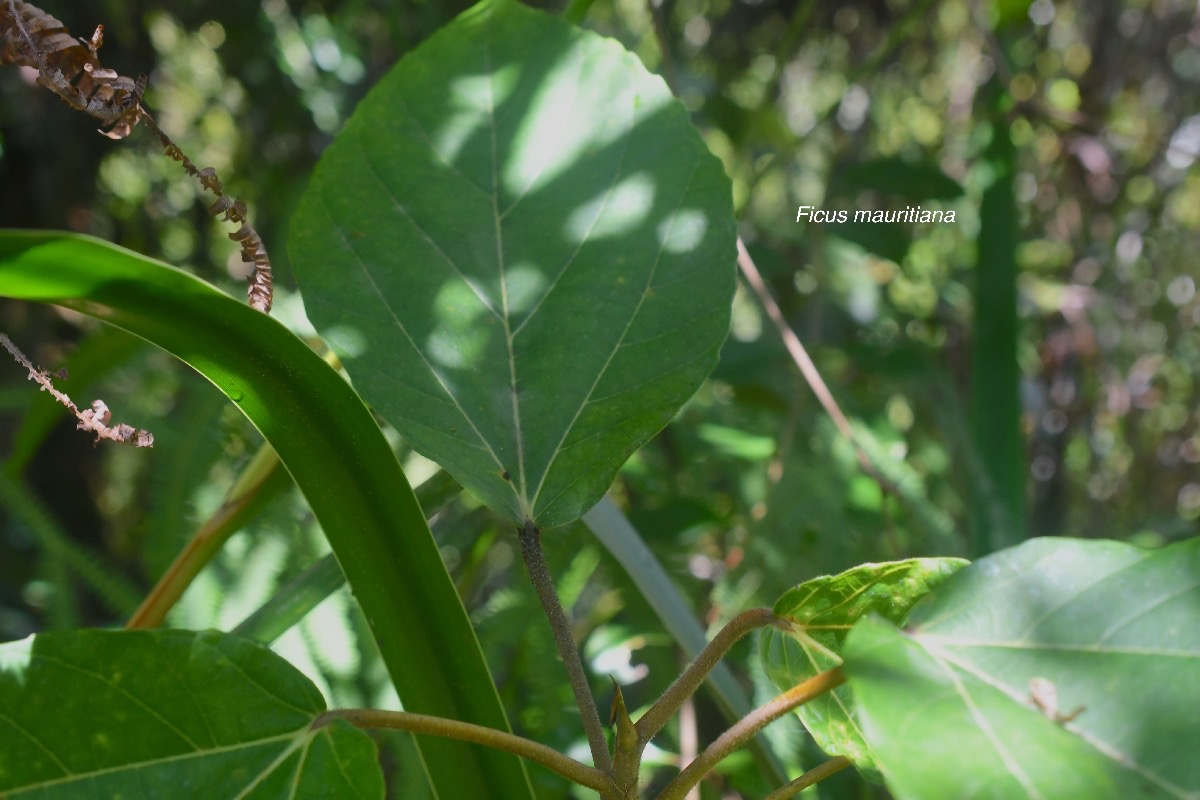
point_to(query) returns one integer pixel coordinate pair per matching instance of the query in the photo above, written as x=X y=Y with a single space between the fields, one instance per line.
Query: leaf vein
x=132 y=698
x=611 y=355
x=408 y=336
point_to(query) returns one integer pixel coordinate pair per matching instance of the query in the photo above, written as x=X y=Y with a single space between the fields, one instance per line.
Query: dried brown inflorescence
x=71 y=69
x=95 y=419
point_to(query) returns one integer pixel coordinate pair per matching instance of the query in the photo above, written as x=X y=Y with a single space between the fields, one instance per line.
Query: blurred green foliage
x=866 y=104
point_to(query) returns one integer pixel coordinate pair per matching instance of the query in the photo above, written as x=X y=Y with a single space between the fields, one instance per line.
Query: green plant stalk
x=338 y=457
x=813 y=776
x=631 y=739
x=568 y=650
x=258 y=482
x=689 y=681
x=539 y=753
x=746 y=727
x=629 y=746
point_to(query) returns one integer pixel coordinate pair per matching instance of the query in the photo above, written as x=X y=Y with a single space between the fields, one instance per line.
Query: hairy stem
x=535 y=562
x=814 y=775
x=747 y=726
x=549 y=758
x=688 y=682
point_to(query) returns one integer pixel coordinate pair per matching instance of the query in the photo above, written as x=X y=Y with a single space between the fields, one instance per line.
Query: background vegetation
x=1092 y=217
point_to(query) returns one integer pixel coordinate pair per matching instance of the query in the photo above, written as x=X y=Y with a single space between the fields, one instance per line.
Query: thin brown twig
x=814 y=775
x=94 y=419
x=259 y=282
x=807 y=368
x=536 y=752
x=689 y=681
x=747 y=726
x=794 y=346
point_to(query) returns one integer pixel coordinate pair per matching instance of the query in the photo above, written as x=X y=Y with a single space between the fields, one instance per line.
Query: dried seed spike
x=222 y=205
x=70 y=68
x=93 y=419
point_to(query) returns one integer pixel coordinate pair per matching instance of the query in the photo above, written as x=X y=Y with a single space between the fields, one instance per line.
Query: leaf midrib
x=947 y=663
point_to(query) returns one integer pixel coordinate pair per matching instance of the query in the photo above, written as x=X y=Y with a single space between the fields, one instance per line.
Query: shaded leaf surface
x=1115 y=631
x=524 y=252
x=103 y=714
x=823 y=610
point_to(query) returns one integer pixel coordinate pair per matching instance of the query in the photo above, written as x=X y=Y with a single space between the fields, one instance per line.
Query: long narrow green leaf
x=293 y=602
x=329 y=442
x=997 y=445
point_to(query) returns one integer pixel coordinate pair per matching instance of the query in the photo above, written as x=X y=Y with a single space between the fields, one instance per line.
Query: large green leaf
x=334 y=450
x=95 y=715
x=823 y=610
x=1113 y=631
x=524 y=254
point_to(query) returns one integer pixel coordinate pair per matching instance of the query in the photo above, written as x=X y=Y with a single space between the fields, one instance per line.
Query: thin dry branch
x=71 y=69
x=95 y=419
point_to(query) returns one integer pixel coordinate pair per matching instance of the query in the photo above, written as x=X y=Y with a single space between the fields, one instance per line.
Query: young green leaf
x=1056 y=669
x=169 y=714
x=524 y=253
x=823 y=611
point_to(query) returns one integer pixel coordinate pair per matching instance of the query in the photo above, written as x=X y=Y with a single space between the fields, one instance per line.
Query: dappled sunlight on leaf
x=467 y=271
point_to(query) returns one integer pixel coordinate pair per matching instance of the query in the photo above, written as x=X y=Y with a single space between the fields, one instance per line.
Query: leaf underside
x=1114 y=631
x=524 y=253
